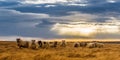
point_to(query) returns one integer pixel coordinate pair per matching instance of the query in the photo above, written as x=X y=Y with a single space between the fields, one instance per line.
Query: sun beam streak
x=85 y=29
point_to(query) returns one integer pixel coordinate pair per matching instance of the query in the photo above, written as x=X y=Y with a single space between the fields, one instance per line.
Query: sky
x=60 y=19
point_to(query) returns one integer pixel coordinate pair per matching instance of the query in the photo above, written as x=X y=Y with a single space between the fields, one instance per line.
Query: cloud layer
x=51 y=19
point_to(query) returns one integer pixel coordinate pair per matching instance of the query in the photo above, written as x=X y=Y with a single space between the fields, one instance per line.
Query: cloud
x=74 y=25
x=86 y=29
x=88 y=25
x=37 y=1
x=111 y=1
x=60 y=19
x=71 y=2
x=62 y=9
x=45 y=23
x=16 y=16
x=78 y=16
x=7 y=4
x=74 y=4
x=50 y=6
x=73 y=30
x=52 y=1
x=24 y=24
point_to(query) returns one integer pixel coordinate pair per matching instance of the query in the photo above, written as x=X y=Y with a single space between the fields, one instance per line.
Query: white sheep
x=34 y=45
x=22 y=44
x=95 y=45
x=76 y=44
x=99 y=45
x=63 y=43
x=83 y=44
x=45 y=44
x=91 y=45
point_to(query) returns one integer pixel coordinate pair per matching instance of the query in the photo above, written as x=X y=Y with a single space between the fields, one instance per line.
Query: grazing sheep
x=63 y=43
x=34 y=45
x=76 y=44
x=54 y=44
x=28 y=44
x=99 y=45
x=40 y=43
x=45 y=44
x=22 y=44
x=91 y=45
x=83 y=44
x=95 y=45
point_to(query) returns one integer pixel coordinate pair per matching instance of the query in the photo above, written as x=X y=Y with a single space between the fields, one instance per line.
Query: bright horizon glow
x=85 y=30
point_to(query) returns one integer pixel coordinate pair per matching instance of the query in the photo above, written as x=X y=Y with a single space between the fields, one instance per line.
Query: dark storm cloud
x=15 y=23
x=45 y=23
x=94 y=7
x=2 y=3
x=22 y=24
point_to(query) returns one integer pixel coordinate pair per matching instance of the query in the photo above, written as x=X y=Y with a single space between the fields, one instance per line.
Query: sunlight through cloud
x=85 y=29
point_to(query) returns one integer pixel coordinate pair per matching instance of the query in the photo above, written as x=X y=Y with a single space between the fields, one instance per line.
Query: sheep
x=28 y=44
x=99 y=45
x=76 y=44
x=95 y=45
x=34 y=45
x=22 y=44
x=91 y=45
x=54 y=44
x=45 y=45
x=63 y=43
x=40 y=43
x=83 y=44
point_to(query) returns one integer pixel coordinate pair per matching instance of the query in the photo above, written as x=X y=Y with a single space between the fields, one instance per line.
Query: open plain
x=10 y=51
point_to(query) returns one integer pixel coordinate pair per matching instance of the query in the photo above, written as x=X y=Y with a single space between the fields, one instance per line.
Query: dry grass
x=9 y=51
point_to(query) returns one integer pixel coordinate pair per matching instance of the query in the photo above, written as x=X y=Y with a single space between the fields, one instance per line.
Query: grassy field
x=10 y=51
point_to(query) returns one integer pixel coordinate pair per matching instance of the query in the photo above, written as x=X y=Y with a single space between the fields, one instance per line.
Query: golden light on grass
x=10 y=51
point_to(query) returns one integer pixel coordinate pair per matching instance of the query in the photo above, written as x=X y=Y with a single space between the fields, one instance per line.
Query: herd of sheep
x=33 y=44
